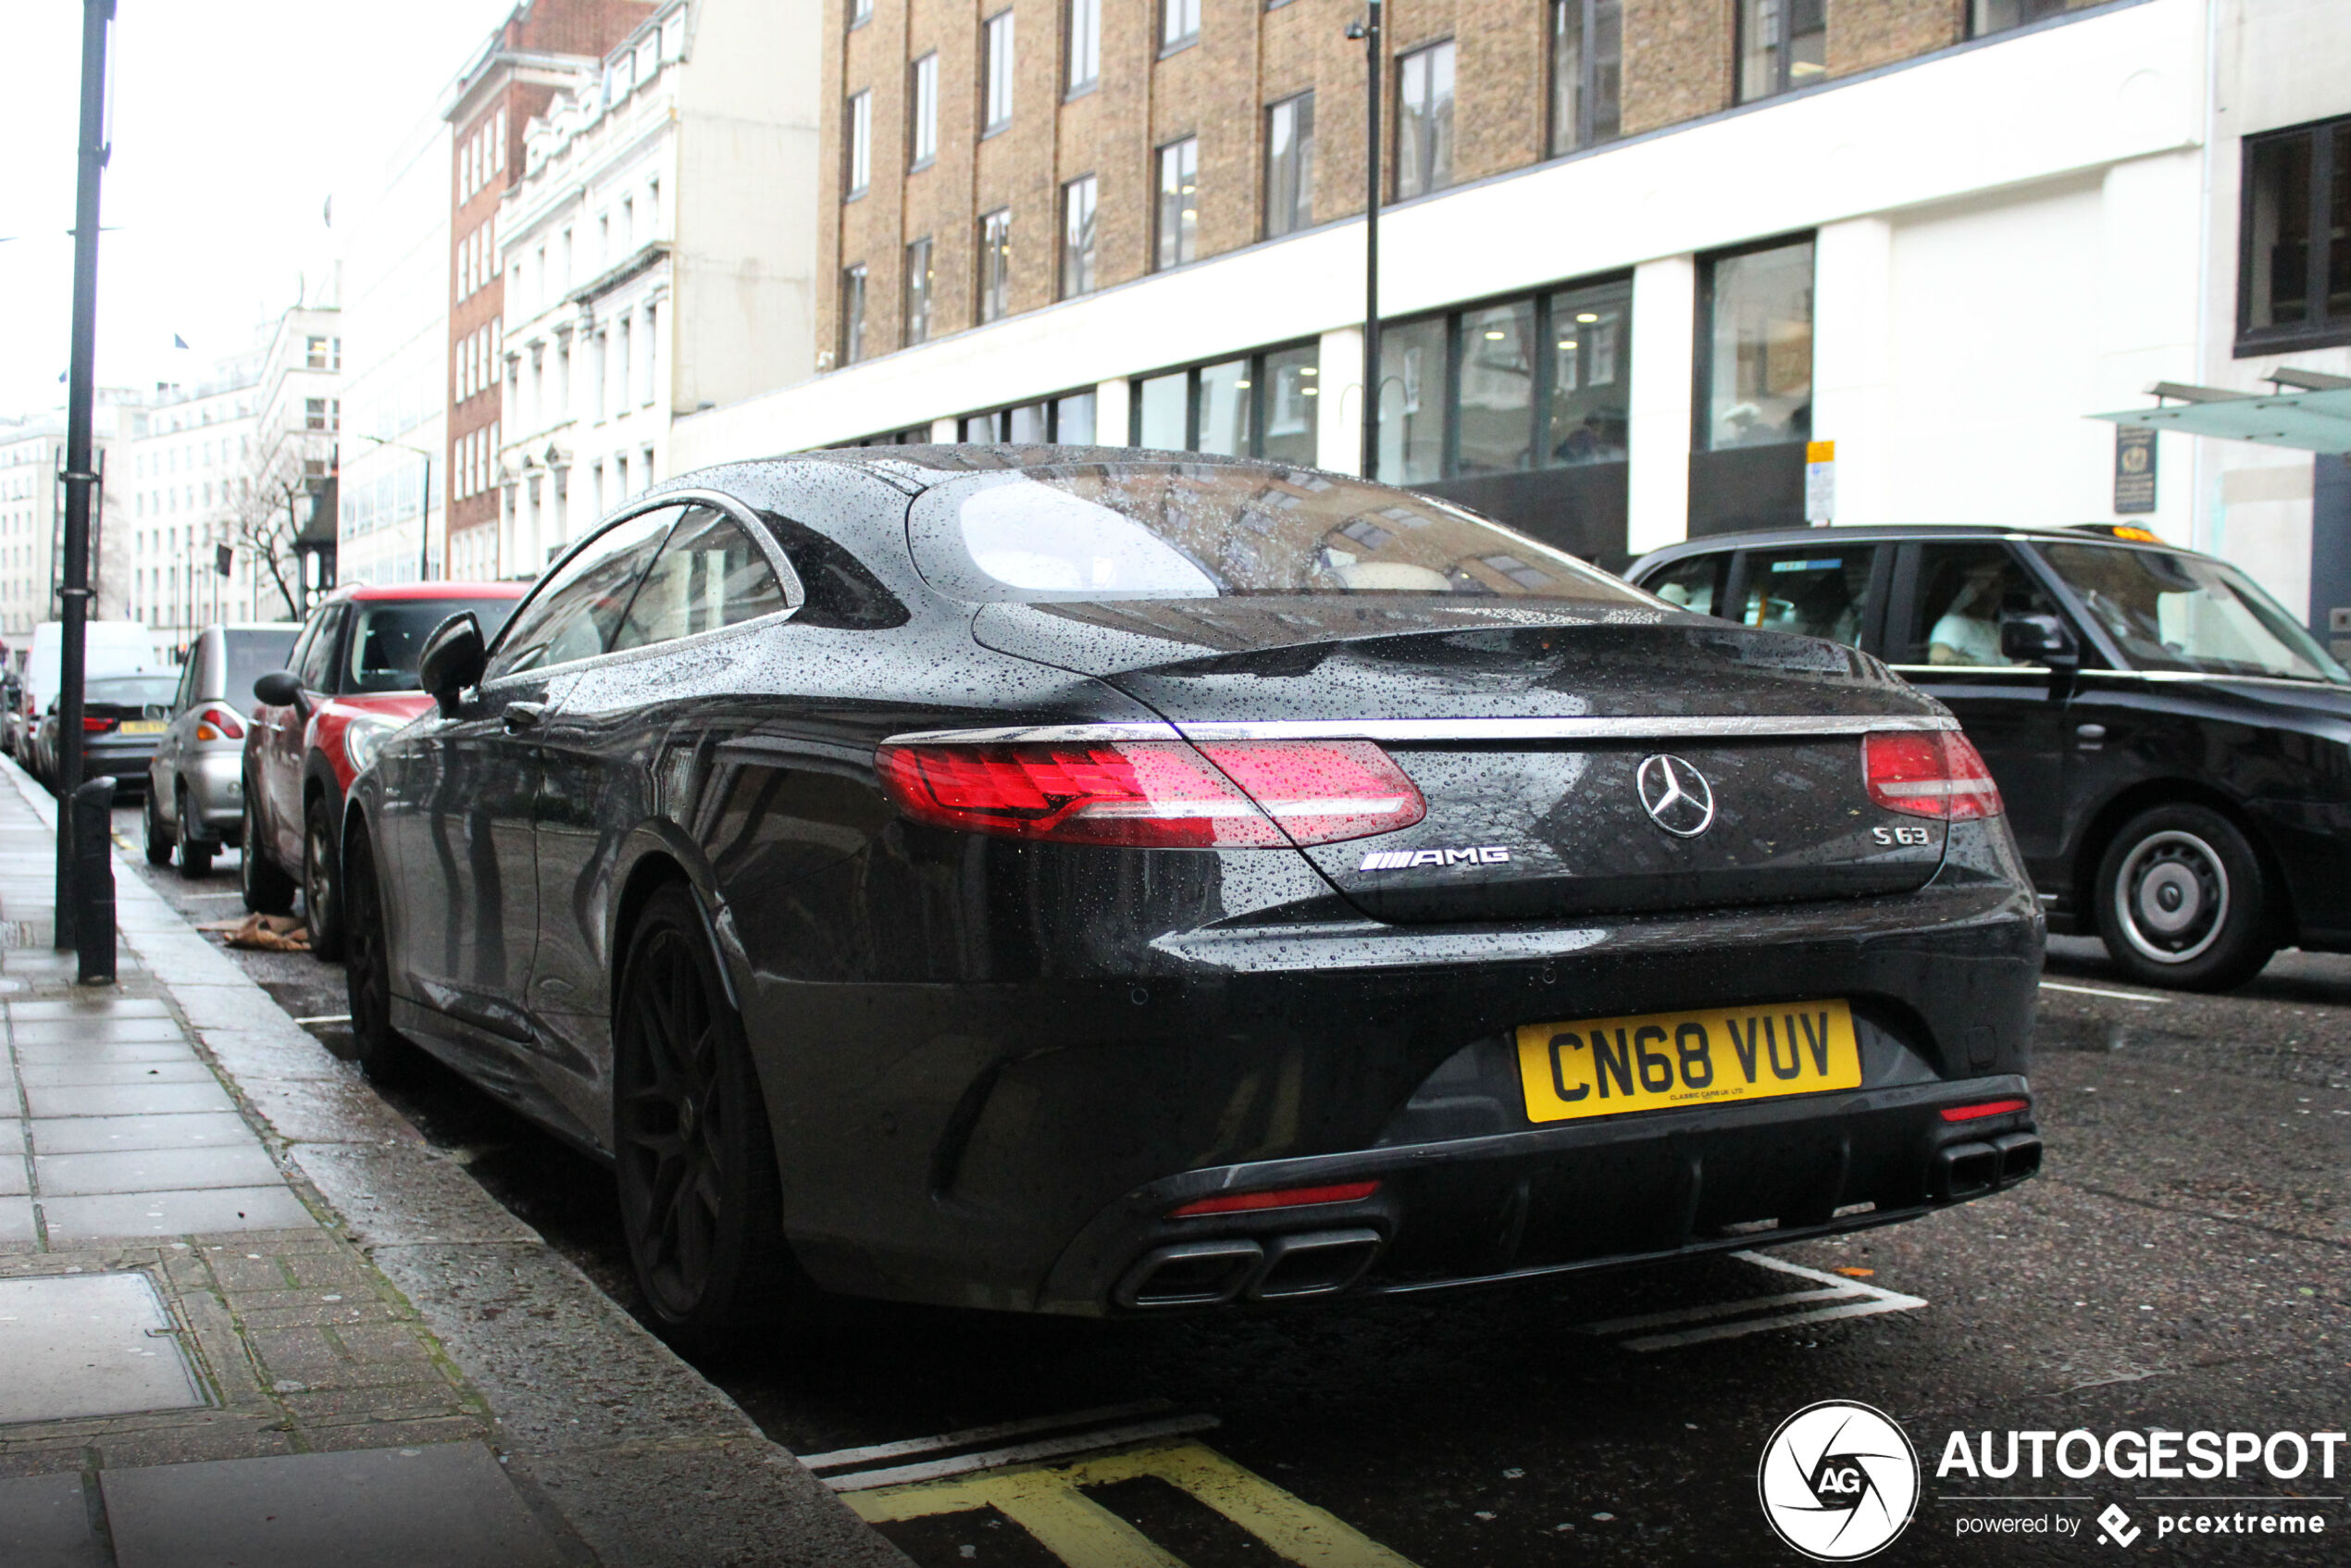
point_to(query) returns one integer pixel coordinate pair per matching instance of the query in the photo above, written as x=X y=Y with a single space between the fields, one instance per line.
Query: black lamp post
x=1369 y=31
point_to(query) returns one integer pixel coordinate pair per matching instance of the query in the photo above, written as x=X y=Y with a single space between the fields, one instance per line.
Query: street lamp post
x=424 y=505
x=1369 y=31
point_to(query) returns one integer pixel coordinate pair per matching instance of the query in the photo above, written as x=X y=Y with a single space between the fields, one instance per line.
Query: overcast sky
x=233 y=120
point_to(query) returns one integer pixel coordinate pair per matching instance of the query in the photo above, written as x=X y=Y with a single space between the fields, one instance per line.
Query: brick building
x=544 y=47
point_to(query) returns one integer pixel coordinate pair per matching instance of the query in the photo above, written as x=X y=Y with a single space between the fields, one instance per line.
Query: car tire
x=2182 y=901
x=267 y=890
x=159 y=838
x=195 y=852
x=384 y=1054
x=321 y=881
x=701 y=1207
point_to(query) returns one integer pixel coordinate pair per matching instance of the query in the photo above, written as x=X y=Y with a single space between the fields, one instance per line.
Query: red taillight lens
x=1989 y=1108
x=91 y=725
x=1155 y=794
x=1288 y=1198
x=1929 y=773
x=219 y=724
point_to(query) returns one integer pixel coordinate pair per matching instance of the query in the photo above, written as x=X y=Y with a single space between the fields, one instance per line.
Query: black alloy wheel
x=158 y=836
x=268 y=890
x=195 y=851
x=699 y=1200
x=2182 y=901
x=383 y=1054
x=321 y=889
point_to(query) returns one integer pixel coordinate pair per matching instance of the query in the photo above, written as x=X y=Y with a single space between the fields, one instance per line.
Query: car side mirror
x=454 y=659
x=2037 y=640
x=279 y=689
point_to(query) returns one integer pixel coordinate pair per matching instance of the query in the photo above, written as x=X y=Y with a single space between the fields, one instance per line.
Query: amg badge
x=1397 y=860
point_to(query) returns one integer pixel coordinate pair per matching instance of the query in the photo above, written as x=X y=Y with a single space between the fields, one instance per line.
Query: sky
x=234 y=121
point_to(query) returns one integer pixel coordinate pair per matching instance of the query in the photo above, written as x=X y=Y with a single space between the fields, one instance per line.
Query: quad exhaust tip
x=1284 y=1268
x=1971 y=1170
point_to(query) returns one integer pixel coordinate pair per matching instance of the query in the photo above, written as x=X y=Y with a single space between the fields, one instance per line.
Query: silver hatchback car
x=195 y=799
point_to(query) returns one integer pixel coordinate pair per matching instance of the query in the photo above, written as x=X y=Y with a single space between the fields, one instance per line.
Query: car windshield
x=2191 y=613
x=132 y=690
x=390 y=634
x=253 y=654
x=1181 y=530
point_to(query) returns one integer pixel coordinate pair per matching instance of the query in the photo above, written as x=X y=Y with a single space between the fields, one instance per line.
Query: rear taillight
x=1928 y=773
x=219 y=724
x=1287 y=1198
x=91 y=725
x=1156 y=794
x=1989 y=1108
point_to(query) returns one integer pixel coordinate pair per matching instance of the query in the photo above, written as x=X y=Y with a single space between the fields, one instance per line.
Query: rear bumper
x=1596 y=1195
x=125 y=761
x=216 y=785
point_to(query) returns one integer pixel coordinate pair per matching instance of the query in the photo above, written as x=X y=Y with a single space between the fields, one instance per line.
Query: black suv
x=2174 y=749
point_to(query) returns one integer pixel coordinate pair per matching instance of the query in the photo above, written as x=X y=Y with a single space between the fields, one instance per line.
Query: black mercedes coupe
x=1110 y=882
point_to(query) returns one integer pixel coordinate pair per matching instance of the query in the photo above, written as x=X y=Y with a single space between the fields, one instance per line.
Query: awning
x=2308 y=412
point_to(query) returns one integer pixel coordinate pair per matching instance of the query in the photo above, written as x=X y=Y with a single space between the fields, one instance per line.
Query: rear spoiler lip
x=1423 y=731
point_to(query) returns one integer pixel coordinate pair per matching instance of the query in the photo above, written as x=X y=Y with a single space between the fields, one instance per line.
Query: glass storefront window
x=1223 y=405
x=1292 y=400
x=1498 y=389
x=1412 y=402
x=1588 y=412
x=1160 y=413
x=1759 y=324
x=1259 y=406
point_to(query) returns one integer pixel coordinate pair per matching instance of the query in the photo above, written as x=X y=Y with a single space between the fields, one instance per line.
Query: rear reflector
x=1928 y=773
x=1989 y=1108
x=1288 y=1198
x=1156 y=794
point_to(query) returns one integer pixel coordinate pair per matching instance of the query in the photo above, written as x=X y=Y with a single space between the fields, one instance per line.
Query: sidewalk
x=248 y=1317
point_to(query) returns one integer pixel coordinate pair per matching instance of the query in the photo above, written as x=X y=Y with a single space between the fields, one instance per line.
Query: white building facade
x=658 y=257
x=31 y=454
x=189 y=477
x=1943 y=267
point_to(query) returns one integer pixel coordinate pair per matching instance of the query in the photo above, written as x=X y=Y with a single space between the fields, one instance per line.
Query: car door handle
x=520 y=716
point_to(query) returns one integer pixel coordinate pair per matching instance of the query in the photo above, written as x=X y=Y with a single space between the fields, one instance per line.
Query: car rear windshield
x=253 y=655
x=1180 y=530
x=391 y=633
x=132 y=691
x=2181 y=612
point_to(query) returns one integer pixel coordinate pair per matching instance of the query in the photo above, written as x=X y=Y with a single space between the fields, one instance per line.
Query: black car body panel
x=990 y=1065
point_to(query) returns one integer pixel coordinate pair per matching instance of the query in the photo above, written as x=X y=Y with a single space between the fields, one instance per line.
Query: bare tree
x=267 y=520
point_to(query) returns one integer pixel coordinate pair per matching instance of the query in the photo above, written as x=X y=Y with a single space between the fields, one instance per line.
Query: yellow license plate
x=1606 y=1066
x=142 y=726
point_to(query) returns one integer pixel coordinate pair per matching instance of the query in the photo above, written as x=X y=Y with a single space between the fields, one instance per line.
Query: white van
x=108 y=648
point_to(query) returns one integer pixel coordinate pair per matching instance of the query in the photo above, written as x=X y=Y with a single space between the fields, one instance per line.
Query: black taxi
x=2173 y=747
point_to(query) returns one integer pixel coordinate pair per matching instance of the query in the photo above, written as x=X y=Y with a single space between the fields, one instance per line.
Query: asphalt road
x=2184 y=1263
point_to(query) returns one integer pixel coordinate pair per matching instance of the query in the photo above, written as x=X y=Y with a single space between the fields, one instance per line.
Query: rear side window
x=1694 y=584
x=317 y=657
x=1964 y=590
x=251 y=654
x=1813 y=590
x=709 y=575
x=575 y=613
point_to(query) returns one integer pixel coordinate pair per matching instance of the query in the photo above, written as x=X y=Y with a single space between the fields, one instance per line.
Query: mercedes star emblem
x=1676 y=796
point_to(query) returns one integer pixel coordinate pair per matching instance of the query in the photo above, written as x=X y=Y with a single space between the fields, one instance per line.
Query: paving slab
x=41 y=1053
x=90 y=1135
x=96 y=1005
x=89 y=1344
x=73 y=1075
x=45 y=1523
x=76 y=1221
x=16 y=1224
x=127 y=1099
x=13 y=1180
x=94 y=1031
x=154 y=1170
x=445 y=1506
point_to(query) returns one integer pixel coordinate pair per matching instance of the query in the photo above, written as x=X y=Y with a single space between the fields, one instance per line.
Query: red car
x=350 y=681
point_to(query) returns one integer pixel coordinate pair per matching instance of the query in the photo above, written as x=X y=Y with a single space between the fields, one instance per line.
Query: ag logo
x=1838 y=1481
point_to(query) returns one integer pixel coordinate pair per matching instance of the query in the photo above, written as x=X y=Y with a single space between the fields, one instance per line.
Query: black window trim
x=2325 y=332
x=1702 y=349
x=1253 y=357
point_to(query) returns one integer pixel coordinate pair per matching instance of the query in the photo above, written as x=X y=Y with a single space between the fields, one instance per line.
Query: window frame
x=1171 y=14
x=1068 y=251
x=857 y=145
x=1187 y=245
x=913 y=330
x=1051 y=402
x=2317 y=328
x=1586 y=134
x=1702 y=369
x=1305 y=183
x=855 y=279
x=922 y=112
x=1079 y=47
x=1255 y=359
x=986 y=259
x=1396 y=128
x=999 y=59
x=1783 y=78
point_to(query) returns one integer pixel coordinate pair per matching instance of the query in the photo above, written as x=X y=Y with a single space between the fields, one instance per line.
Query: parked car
x=123 y=717
x=1098 y=882
x=350 y=680
x=12 y=706
x=108 y=648
x=2170 y=742
x=195 y=794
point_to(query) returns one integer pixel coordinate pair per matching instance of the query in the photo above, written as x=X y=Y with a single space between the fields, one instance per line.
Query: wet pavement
x=2184 y=1263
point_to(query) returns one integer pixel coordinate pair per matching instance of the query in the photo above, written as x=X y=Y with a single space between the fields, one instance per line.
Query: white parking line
x=1020 y=1454
x=971 y=1437
x=2095 y=990
x=1838 y=1298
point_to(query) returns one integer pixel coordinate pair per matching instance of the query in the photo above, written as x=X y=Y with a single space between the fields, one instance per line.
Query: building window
x=918 y=292
x=313 y=412
x=1178 y=23
x=1999 y=16
x=860 y=12
x=2294 y=282
x=997 y=44
x=1782 y=45
x=1424 y=120
x=1178 y=222
x=861 y=150
x=315 y=356
x=1066 y=420
x=852 y=314
x=1290 y=166
x=1084 y=44
x=1260 y=404
x=922 y=109
x=1756 y=315
x=996 y=265
x=1077 y=238
x=1587 y=71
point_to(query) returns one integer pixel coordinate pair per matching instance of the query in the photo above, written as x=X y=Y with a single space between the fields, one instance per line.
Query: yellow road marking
x=1050 y=1502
